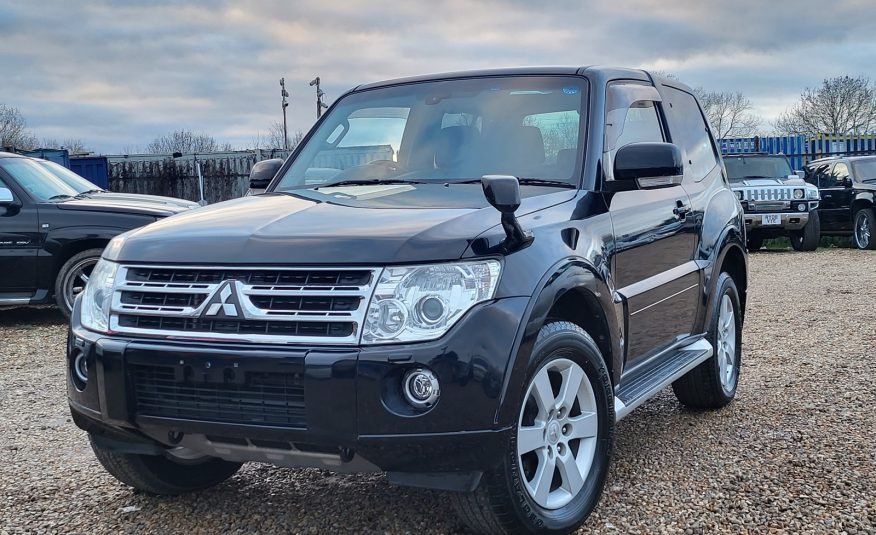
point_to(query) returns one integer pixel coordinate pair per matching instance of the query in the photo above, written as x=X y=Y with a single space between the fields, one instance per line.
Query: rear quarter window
x=690 y=132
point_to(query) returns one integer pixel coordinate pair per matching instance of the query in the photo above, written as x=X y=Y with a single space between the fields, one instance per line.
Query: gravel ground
x=795 y=453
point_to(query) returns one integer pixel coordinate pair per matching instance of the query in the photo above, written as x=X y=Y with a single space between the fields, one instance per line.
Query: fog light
x=80 y=370
x=421 y=388
x=801 y=207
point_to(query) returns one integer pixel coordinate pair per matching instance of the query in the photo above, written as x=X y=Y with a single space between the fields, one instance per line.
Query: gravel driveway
x=795 y=453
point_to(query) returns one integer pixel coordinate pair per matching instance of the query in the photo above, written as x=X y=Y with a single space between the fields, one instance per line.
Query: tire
x=864 y=230
x=503 y=502
x=754 y=243
x=161 y=475
x=807 y=239
x=712 y=384
x=69 y=282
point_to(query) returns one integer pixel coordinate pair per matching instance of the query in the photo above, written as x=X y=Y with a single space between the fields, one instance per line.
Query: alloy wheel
x=557 y=433
x=76 y=279
x=862 y=230
x=727 y=343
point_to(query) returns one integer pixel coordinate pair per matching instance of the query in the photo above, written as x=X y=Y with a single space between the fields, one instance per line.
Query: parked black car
x=776 y=201
x=384 y=316
x=848 y=191
x=52 y=235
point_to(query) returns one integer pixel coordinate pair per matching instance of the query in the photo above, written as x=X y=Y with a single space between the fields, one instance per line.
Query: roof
x=511 y=71
x=10 y=155
x=843 y=157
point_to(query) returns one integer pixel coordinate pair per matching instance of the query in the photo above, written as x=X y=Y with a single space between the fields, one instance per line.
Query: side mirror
x=800 y=173
x=648 y=165
x=263 y=172
x=503 y=194
x=6 y=197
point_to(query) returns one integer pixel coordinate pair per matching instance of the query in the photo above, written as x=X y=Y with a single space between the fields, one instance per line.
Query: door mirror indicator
x=648 y=165
x=262 y=172
x=503 y=194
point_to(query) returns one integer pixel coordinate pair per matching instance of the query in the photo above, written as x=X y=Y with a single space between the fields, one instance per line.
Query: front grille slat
x=288 y=305
x=157 y=393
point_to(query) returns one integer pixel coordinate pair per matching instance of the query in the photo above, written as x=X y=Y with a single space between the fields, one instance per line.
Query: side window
x=640 y=124
x=691 y=133
x=817 y=174
x=810 y=176
x=840 y=175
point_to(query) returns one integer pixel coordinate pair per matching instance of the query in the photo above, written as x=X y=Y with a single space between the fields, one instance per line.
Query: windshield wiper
x=86 y=194
x=371 y=182
x=525 y=182
x=61 y=196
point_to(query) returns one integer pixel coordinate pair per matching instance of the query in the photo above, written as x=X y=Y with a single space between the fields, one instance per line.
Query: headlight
x=417 y=303
x=97 y=297
x=798 y=193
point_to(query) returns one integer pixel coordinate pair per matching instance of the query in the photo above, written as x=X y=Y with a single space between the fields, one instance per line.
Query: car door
x=836 y=197
x=654 y=239
x=19 y=245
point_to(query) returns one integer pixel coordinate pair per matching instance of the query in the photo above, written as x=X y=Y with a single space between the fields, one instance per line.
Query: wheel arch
x=861 y=201
x=572 y=291
x=733 y=259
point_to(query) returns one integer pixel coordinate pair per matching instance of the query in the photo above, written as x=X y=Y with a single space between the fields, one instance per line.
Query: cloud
x=119 y=73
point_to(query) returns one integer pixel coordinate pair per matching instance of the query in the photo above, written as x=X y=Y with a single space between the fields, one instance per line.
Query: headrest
x=453 y=143
x=525 y=146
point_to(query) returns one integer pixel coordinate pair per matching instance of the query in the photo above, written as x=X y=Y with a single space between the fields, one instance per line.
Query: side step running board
x=642 y=386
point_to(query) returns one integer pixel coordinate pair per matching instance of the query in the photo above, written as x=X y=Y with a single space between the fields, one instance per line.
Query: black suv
x=52 y=234
x=461 y=280
x=848 y=196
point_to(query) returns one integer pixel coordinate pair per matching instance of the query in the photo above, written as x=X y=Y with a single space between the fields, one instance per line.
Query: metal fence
x=801 y=150
x=226 y=174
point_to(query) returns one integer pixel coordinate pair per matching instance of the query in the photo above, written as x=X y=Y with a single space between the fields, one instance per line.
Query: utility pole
x=284 y=95
x=320 y=105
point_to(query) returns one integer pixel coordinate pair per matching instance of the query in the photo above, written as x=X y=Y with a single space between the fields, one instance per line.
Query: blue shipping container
x=93 y=168
x=59 y=156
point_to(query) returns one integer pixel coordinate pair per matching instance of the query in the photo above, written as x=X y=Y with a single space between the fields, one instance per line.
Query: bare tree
x=276 y=138
x=184 y=141
x=842 y=105
x=13 y=129
x=73 y=145
x=729 y=113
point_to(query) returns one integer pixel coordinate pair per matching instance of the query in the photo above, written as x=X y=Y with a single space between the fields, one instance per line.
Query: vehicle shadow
x=44 y=315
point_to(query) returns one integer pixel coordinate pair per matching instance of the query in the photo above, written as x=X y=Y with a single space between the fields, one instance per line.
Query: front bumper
x=789 y=221
x=337 y=407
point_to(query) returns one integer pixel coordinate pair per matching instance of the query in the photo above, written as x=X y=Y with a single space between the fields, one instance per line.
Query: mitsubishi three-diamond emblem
x=224 y=302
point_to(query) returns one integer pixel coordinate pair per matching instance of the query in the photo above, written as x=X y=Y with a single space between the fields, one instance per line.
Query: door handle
x=680 y=210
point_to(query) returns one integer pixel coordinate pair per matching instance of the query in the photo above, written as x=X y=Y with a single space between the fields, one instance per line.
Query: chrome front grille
x=285 y=305
x=768 y=194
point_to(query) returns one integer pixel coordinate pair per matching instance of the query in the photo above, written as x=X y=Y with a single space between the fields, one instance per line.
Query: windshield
x=446 y=131
x=742 y=167
x=864 y=170
x=39 y=183
x=70 y=178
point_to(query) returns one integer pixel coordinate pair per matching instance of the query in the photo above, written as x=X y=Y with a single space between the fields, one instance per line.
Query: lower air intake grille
x=260 y=399
x=326 y=329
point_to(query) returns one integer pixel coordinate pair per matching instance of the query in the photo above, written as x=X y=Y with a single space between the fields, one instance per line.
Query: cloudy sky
x=119 y=73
